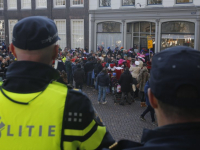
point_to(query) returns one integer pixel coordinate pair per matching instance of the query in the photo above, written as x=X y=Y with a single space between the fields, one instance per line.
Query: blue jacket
x=184 y=136
x=146 y=93
x=102 y=79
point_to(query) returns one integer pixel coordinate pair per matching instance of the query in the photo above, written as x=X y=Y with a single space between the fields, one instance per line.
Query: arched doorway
x=109 y=34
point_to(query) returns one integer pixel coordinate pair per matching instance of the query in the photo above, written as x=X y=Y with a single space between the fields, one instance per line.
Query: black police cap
x=173 y=68
x=34 y=33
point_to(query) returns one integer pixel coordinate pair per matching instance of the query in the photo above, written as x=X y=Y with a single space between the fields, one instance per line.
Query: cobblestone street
x=123 y=122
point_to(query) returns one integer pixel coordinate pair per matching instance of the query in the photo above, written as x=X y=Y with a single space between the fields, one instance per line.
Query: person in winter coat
x=103 y=83
x=89 y=66
x=79 y=77
x=149 y=108
x=135 y=71
x=97 y=68
x=142 y=79
x=126 y=85
x=68 y=68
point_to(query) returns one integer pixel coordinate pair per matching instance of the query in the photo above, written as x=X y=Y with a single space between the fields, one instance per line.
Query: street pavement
x=123 y=122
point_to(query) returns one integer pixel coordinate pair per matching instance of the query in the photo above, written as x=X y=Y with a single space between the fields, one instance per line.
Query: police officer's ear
x=152 y=99
x=55 y=52
x=13 y=49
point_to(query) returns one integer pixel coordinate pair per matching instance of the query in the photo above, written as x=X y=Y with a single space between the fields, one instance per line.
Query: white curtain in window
x=61 y=26
x=109 y=40
x=12 y=4
x=11 y=24
x=41 y=3
x=1 y=4
x=26 y=3
x=2 y=31
x=77 y=34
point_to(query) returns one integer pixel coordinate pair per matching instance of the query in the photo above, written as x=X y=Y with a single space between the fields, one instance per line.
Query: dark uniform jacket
x=126 y=81
x=183 y=136
x=30 y=77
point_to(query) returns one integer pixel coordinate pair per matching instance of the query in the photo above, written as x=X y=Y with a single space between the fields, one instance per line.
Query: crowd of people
x=38 y=113
x=6 y=58
x=117 y=71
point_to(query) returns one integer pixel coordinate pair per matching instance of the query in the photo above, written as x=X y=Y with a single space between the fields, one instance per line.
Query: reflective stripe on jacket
x=39 y=125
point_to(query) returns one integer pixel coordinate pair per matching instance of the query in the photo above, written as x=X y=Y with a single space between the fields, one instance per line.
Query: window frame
x=127 y=5
x=175 y=33
x=9 y=29
x=4 y=39
x=39 y=7
x=3 y=6
x=26 y=7
x=62 y=33
x=153 y=4
x=184 y=3
x=104 y=6
x=71 y=4
x=71 y=23
x=11 y=8
x=58 y=6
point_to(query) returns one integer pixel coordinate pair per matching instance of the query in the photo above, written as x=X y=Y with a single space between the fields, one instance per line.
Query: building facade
x=127 y=23
x=70 y=16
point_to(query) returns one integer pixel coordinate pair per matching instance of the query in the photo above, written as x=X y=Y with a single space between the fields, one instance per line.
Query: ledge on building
x=127 y=7
x=25 y=9
x=41 y=8
x=184 y=5
x=152 y=6
x=77 y=6
x=107 y=8
x=59 y=7
x=12 y=9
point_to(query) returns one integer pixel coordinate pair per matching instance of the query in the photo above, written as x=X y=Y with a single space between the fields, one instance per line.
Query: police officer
x=35 y=111
x=174 y=93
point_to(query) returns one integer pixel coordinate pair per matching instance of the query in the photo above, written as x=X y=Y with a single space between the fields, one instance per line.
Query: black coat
x=97 y=68
x=126 y=81
x=102 y=79
x=79 y=75
x=89 y=66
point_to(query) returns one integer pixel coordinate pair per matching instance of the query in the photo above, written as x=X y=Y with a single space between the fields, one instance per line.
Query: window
x=177 y=33
x=2 y=31
x=12 y=4
x=11 y=24
x=104 y=3
x=1 y=4
x=140 y=31
x=183 y=1
x=41 y=4
x=108 y=35
x=154 y=2
x=61 y=26
x=77 y=33
x=59 y=3
x=77 y=3
x=25 y=4
x=128 y=2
